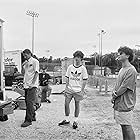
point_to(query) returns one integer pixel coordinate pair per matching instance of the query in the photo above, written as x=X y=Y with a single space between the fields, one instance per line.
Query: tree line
x=107 y=60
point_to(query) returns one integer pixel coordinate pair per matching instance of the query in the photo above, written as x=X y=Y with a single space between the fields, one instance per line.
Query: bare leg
x=128 y=133
x=76 y=114
x=77 y=108
x=67 y=108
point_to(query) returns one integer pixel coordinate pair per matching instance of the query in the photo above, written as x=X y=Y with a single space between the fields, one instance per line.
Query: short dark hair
x=127 y=51
x=78 y=54
x=27 y=51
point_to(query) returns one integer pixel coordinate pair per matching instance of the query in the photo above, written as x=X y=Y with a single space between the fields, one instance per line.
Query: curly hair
x=78 y=54
x=127 y=51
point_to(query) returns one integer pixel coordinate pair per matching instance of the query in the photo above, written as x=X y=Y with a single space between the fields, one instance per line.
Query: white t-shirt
x=76 y=76
x=30 y=68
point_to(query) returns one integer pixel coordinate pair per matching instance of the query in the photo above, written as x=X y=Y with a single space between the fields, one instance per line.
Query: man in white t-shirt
x=76 y=77
x=31 y=83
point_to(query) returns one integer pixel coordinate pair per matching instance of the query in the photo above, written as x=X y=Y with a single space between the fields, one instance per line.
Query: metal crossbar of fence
x=105 y=84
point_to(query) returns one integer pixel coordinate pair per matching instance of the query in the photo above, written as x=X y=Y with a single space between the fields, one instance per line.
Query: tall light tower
x=33 y=15
x=102 y=32
x=99 y=49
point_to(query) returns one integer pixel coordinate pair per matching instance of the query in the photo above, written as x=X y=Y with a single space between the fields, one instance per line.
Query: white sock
x=47 y=97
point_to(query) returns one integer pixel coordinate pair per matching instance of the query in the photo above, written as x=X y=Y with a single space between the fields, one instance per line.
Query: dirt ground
x=95 y=121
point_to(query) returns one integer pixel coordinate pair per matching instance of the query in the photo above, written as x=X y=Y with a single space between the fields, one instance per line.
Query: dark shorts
x=78 y=96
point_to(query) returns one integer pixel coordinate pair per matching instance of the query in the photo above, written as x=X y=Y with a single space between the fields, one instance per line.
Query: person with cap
x=31 y=83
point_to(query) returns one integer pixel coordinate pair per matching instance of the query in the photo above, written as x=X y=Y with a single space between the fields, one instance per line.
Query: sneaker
x=64 y=122
x=34 y=119
x=47 y=100
x=25 y=124
x=75 y=125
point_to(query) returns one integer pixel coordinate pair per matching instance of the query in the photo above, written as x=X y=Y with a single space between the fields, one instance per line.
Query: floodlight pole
x=33 y=15
x=101 y=45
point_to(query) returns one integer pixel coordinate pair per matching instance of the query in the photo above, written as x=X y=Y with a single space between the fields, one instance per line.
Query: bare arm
x=23 y=67
x=48 y=81
x=67 y=82
x=83 y=85
x=25 y=62
x=85 y=77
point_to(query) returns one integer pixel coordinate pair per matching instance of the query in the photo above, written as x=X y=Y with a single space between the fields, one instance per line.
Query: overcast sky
x=64 y=26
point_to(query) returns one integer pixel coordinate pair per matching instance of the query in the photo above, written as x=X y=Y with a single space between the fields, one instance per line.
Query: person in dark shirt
x=15 y=73
x=44 y=79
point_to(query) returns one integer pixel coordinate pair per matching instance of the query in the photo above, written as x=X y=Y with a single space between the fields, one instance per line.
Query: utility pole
x=33 y=15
